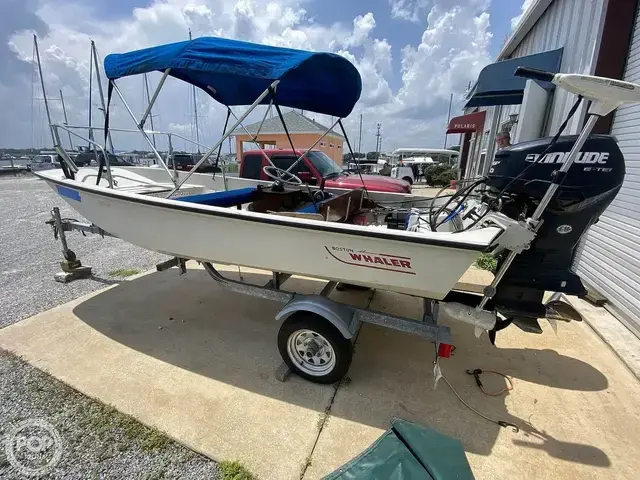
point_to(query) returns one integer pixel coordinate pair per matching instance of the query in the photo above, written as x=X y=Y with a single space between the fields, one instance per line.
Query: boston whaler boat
x=531 y=213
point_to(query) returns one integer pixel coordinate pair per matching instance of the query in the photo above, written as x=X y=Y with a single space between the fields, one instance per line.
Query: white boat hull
x=390 y=260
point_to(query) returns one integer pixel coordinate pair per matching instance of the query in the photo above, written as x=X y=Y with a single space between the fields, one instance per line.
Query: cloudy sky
x=411 y=54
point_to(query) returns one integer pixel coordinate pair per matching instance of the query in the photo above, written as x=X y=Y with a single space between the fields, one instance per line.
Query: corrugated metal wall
x=574 y=25
x=609 y=257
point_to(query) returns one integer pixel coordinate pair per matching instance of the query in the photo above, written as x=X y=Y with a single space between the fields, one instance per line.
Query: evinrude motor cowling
x=589 y=186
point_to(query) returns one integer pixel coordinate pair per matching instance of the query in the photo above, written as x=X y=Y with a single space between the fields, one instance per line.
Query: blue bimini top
x=236 y=73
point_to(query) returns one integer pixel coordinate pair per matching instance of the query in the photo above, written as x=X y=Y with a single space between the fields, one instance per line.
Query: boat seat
x=337 y=209
x=228 y=198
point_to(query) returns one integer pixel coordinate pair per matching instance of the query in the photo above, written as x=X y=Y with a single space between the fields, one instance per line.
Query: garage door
x=609 y=259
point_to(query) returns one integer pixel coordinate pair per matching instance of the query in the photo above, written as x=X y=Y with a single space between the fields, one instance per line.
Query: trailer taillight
x=444 y=350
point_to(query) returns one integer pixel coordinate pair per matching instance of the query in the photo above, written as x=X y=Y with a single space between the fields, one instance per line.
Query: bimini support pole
x=224 y=130
x=170 y=156
x=99 y=80
x=147 y=112
x=313 y=146
x=142 y=131
x=346 y=139
x=224 y=137
x=255 y=137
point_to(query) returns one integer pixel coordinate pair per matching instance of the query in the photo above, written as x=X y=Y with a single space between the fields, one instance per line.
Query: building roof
x=526 y=23
x=296 y=123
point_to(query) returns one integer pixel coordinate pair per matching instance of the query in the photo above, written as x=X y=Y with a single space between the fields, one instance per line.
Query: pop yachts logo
x=560 y=157
x=33 y=447
x=380 y=261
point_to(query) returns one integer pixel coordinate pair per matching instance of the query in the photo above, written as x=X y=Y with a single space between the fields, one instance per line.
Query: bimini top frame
x=241 y=73
x=235 y=73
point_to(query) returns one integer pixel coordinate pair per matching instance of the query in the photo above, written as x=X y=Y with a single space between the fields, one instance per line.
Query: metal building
x=595 y=37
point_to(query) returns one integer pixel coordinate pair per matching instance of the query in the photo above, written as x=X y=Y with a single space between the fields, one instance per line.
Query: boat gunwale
x=273 y=220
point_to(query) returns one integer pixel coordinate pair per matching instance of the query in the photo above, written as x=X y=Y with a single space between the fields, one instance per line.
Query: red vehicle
x=316 y=168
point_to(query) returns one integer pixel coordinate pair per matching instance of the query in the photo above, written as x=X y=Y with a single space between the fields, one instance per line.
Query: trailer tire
x=314 y=348
x=408 y=180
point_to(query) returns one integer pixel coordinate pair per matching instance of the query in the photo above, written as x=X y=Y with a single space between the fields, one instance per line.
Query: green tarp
x=408 y=451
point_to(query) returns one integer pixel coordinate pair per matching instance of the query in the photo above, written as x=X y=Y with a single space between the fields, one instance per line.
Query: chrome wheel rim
x=311 y=352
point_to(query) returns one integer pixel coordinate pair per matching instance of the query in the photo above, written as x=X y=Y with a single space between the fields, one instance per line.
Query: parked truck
x=316 y=168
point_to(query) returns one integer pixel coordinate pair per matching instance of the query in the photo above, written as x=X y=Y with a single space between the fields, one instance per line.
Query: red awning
x=467 y=123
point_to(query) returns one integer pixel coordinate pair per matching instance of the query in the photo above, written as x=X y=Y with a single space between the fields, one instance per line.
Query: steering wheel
x=280 y=175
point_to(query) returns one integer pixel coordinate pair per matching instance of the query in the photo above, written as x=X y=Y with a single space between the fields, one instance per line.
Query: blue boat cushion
x=314 y=208
x=228 y=198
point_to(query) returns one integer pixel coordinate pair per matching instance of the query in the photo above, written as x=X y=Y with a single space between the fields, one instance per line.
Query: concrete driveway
x=198 y=362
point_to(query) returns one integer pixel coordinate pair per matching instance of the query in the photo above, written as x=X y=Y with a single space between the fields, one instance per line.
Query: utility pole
x=378 y=140
x=360 y=136
x=448 y=118
x=195 y=109
x=66 y=120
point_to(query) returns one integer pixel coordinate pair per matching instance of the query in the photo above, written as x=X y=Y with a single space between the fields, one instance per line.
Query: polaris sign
x=560 y=157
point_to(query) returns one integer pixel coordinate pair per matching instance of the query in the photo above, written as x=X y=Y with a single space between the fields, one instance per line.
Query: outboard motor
x=589 y=186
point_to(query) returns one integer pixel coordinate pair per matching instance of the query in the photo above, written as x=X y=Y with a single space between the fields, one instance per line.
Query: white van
x=405 y=171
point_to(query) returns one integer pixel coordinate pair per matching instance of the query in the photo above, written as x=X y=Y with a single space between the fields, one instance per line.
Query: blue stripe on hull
x=69 y=193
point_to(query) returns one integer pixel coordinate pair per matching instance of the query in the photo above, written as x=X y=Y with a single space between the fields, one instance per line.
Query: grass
x=94 y=419
x=234 y=471
x=486 y=262
x=105 y=420
x=123 y=272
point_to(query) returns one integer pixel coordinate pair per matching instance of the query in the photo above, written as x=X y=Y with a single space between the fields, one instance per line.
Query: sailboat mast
x=448 y=119
x=66 y=120
x=195 y=109
x=90 y=94
x=44 y=93
x=146 y=88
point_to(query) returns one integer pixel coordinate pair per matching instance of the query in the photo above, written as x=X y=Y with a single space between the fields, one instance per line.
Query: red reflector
x=444 y=350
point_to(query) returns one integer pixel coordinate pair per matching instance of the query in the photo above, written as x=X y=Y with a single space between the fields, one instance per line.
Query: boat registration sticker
x=366 y=259
x=69 y=193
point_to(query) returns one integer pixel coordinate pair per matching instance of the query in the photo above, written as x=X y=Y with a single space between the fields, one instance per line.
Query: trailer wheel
x=313 y=348
x=408 y=180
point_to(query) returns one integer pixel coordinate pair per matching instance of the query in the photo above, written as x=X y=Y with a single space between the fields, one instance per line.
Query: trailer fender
x=345 y=319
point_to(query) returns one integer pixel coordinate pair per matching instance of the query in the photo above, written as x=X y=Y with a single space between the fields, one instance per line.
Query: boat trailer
x=316 y=335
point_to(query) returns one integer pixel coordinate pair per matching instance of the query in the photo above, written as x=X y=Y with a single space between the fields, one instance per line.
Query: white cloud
x=526 y=5
x=412 y=10
x=451 y=52
x=362 y=27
